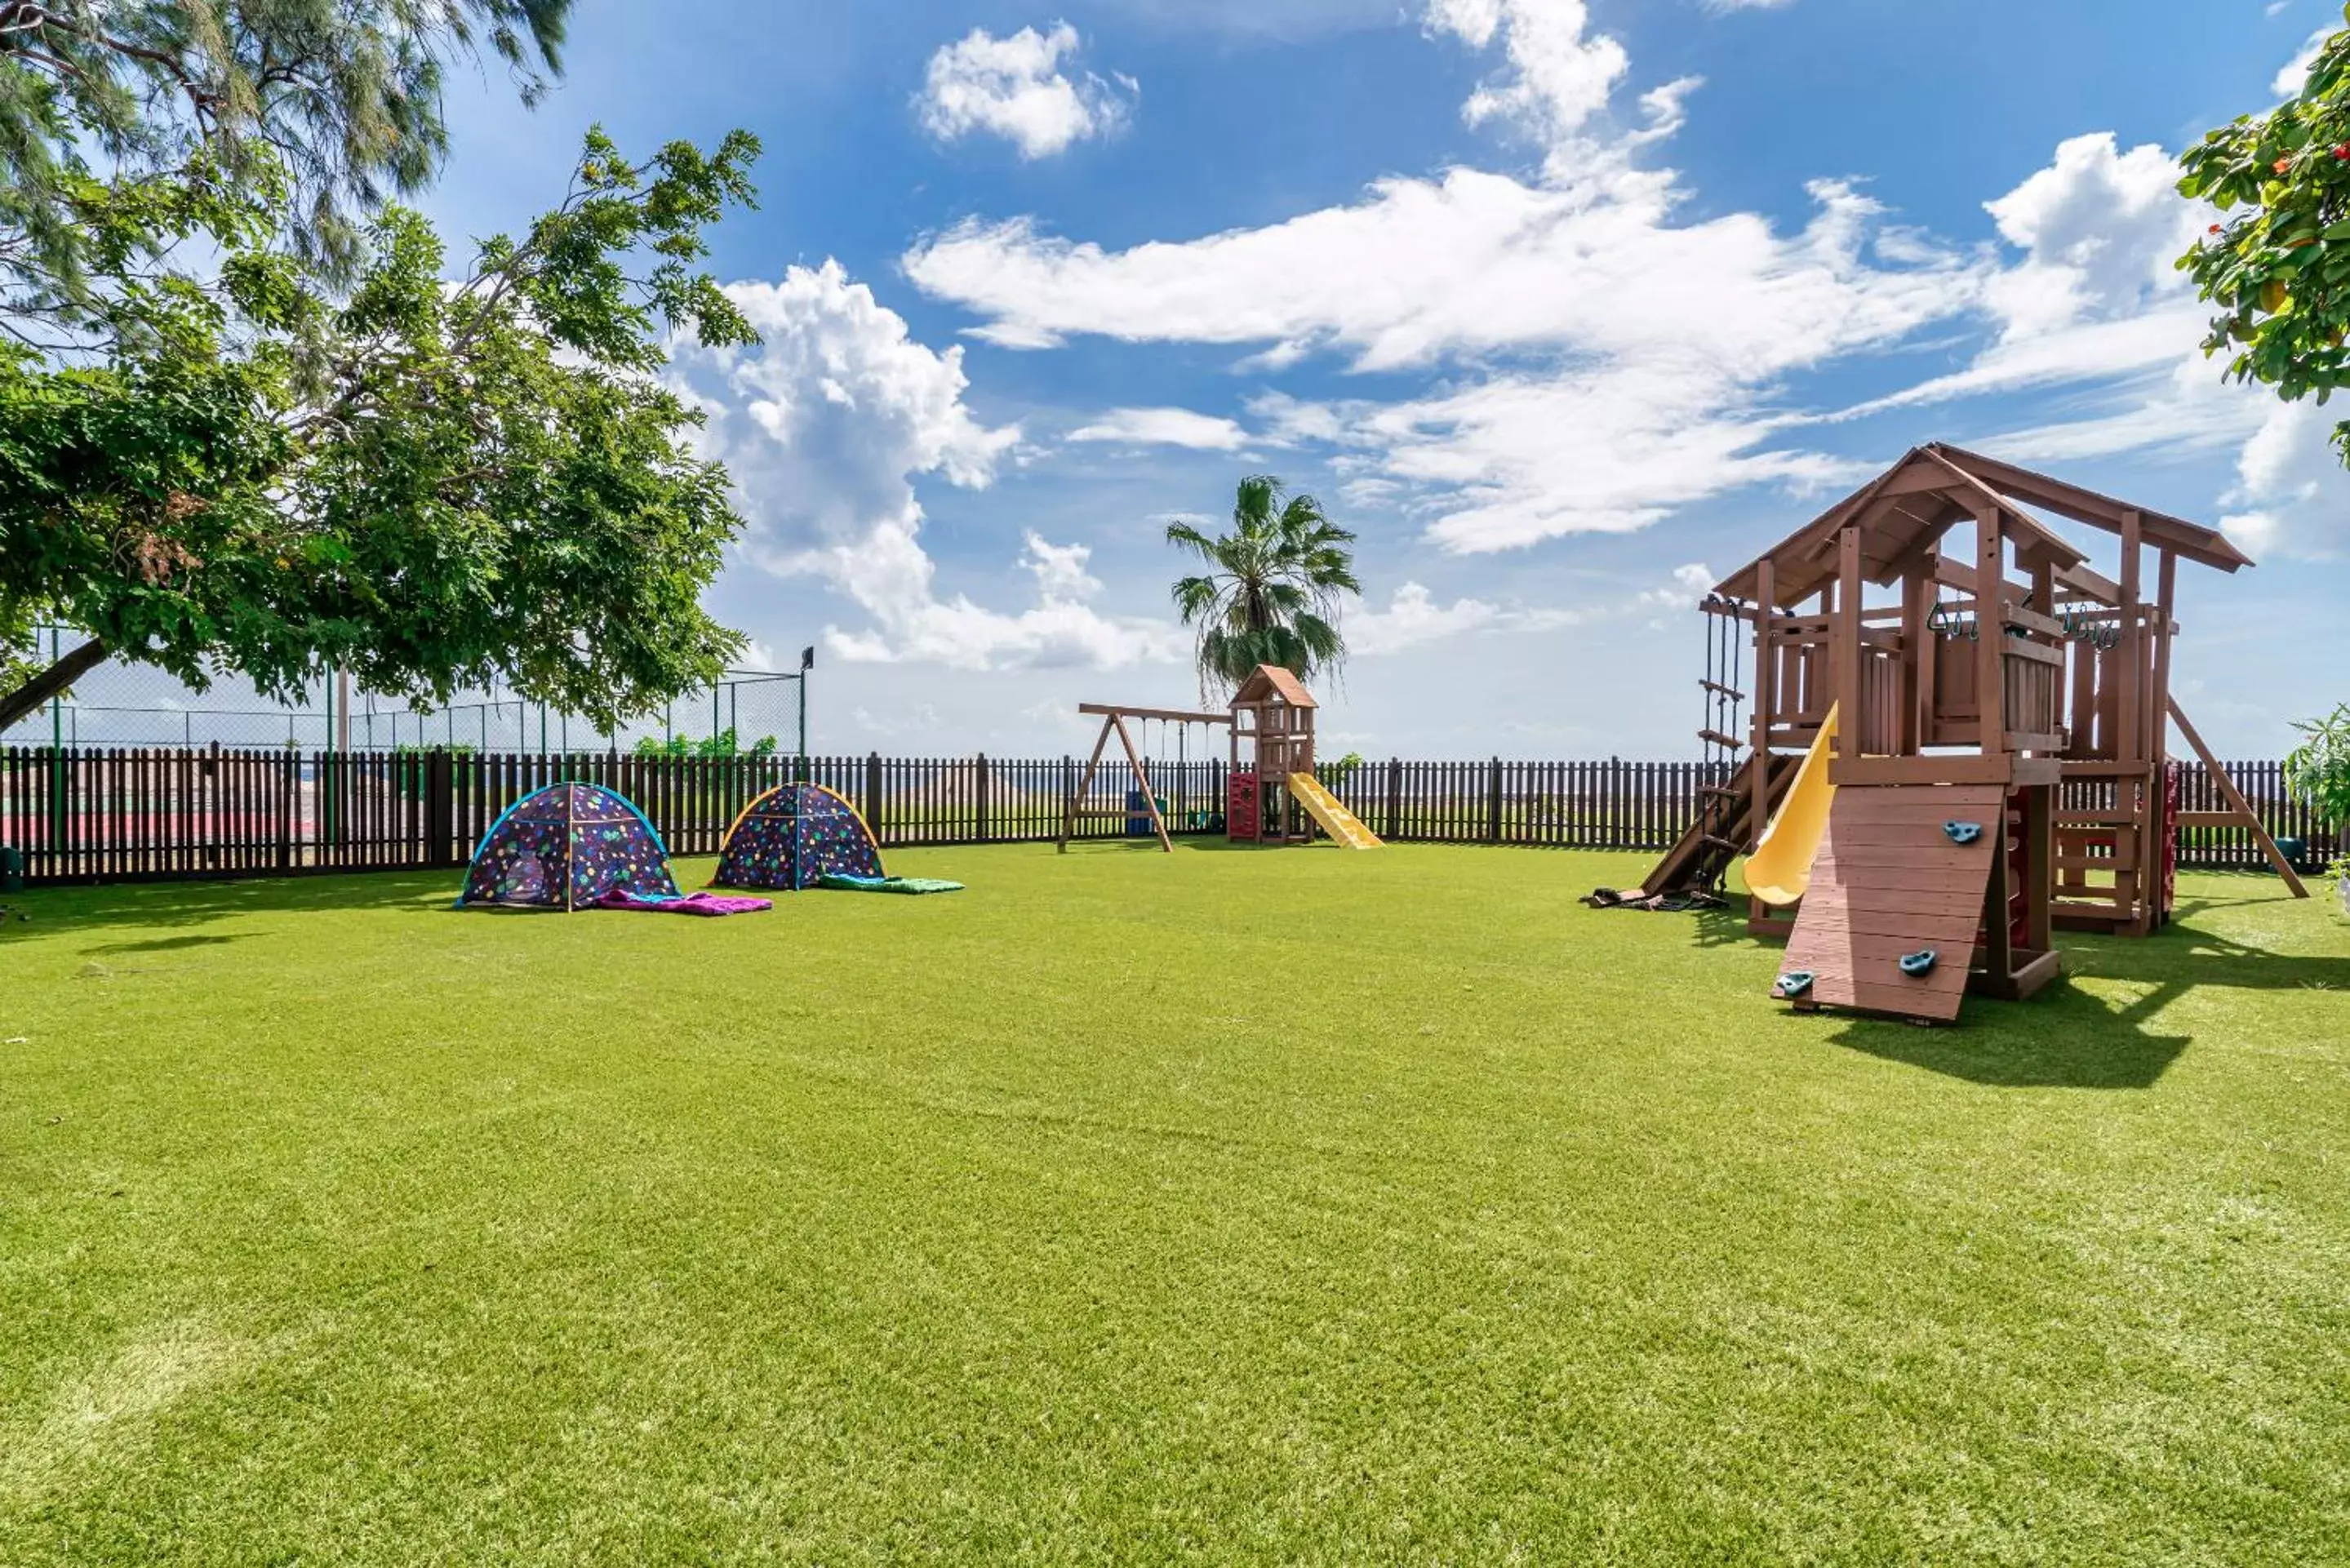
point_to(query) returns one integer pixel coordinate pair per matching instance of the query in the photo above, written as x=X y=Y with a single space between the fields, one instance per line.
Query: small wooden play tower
x=1271 y=793
x=1272 y=739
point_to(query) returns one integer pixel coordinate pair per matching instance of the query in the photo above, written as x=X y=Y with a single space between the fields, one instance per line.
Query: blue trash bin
x=1138 y=814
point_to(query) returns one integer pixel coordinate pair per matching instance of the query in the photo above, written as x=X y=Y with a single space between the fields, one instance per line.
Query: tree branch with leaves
x=434 y=487
x=2277 y=265
x=338 y=101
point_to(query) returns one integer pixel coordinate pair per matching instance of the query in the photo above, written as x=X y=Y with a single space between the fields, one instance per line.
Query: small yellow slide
x=1336 y=820
x=1780 y=871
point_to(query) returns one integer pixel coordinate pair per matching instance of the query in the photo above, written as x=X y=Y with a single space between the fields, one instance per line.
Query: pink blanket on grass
x=685 y=904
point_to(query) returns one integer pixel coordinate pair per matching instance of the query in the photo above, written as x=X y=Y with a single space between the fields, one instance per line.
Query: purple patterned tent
x=565 y=847
x=793 y=835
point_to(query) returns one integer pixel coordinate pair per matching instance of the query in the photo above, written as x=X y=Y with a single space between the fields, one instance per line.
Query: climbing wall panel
x=1888 y=882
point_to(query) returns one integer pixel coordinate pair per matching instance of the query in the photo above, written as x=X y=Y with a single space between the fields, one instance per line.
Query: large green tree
x=433 y=484
x=249 y=422
x=336 y=101
x=1272 y=588
x=2277 y=265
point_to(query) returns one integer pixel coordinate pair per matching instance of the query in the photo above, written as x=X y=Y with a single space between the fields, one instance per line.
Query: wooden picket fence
x=83 y=816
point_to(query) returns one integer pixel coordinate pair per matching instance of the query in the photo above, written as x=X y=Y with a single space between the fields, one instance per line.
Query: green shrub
x=2318 y=771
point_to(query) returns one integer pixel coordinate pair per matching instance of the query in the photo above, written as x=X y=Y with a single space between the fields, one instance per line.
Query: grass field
x=1290 y=1206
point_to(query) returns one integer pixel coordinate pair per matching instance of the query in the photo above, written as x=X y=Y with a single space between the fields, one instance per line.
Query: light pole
x=808 y=662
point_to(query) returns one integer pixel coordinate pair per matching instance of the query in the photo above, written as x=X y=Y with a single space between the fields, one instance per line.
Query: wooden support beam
x=1069 y=818
x=2085 y=700
x=2129 y=733
x=2095 y=585
x=2039 y=866
x=2197 y=544
x=1846 y=667
x=1142 y=777
x=1766 y=670
x=1163 y=716
x=2159 y=698
x=2235 y=798
x=1916 y=685
x=1991 y=647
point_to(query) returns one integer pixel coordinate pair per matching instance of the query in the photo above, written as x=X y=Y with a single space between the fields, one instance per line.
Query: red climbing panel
x=1241 y=806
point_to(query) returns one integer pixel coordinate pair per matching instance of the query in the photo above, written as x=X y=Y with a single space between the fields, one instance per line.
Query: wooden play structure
x=1957 y=739
x=1272 y=794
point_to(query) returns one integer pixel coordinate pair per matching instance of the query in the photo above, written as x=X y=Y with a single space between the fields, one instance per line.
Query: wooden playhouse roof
x=1271 y=680
x=1909 y=507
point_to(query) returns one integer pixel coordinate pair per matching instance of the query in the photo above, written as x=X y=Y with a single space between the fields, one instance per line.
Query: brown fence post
x=873 y=792
x=211 y=811
x=290 y=791
x=1493 y=804
x=440 y=823
x=979 y=782
x=1395 y=798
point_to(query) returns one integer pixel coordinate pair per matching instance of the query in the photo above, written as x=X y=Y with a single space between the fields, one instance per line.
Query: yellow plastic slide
x=1780 y=870
x=1336 y=820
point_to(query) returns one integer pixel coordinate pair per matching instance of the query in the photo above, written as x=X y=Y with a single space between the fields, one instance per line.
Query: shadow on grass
x=163 y=944
x=145 y=906
x=1203 y=843
x=2063 y=1038
x=1724 y=927
x=2067 y=1038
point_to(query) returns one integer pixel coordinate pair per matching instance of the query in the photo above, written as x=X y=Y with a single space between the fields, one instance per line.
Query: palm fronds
x=1273 y=588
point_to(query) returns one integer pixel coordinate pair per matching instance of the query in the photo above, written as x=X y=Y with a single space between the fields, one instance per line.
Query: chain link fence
x=120 y=704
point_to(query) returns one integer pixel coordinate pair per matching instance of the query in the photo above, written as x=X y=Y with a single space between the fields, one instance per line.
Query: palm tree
x=1271 y=593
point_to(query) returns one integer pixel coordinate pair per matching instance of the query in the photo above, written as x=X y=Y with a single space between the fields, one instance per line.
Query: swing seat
x=1920 y=964
x=1962 y=833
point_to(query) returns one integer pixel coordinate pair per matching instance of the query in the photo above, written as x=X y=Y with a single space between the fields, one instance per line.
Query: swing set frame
x=1114 y=716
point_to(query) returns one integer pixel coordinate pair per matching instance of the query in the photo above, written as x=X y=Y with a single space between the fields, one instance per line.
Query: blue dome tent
x=564 y=847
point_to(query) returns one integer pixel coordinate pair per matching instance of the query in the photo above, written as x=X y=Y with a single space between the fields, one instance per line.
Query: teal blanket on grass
x=886 y=884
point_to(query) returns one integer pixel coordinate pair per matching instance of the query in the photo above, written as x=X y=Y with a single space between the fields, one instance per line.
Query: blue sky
x=1562 y=307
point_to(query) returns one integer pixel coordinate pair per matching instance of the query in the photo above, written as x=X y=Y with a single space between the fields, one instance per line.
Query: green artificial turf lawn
x=1296 y=1206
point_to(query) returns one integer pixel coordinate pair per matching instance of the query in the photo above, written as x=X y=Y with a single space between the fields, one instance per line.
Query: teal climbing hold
x=1794 y=982
x=1920 y=964
x=1963 y=832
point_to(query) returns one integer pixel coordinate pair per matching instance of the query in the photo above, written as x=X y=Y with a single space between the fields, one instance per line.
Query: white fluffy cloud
x=1658 y=344
x=1164 y=427
x=1605 y=359
x=1017 y=87
x=1413 y=617
x=1468 y=265
x=2294 y=490
x=1691 y=582
x=2094 y=305
x=1621 y=363
x=1560 y=76
x=2099 y=229
x=2295 y=74
x=826 y=425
